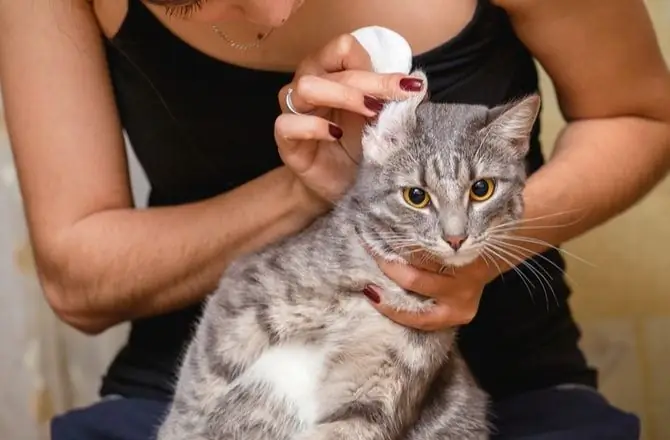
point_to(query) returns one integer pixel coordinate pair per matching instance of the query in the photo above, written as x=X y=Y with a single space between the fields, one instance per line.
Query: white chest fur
x=294 y=372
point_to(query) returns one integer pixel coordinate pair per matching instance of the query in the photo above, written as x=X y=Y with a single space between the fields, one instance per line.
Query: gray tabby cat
x=289 y=349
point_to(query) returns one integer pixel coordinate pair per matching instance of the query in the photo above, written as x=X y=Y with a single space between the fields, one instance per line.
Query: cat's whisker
x=411 y=252
x=427 y=256
x=522 y=258
x=496 y=253
x=409 y=249
x=531 y=269
x=541 y=217
x=488 y=260
x=527 y=254
x=531 y=253
x=400 y=243
x=388 y=233
x=524 y=278
x=396 y=238
x=542 y=279
x=527 y=228
x=531 y=240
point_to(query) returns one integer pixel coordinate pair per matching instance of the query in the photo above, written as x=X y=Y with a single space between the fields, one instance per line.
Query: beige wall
x=622 y=300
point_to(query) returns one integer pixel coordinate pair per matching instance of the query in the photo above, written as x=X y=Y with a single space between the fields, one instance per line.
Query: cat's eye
x=416 y=197
x=482 y=190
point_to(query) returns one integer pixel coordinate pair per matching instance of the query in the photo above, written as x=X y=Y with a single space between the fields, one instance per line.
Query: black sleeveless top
x=201 y=127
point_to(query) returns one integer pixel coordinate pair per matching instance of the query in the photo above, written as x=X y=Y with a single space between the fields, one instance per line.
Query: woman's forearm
x=123 y=264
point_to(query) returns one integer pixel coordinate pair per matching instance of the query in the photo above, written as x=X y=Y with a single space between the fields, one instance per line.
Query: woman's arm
x=613 y=87
x=100 y=261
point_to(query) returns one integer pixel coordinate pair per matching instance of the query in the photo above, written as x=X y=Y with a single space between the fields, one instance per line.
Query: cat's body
x=318 y=342
x=289 y=349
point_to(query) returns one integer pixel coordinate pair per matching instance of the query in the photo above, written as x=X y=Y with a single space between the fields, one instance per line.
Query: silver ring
x=289 y=104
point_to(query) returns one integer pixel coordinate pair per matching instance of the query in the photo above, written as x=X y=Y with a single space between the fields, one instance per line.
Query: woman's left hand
x=456 y=293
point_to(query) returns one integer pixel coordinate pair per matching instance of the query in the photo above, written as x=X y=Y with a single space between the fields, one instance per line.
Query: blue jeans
x=560 y=413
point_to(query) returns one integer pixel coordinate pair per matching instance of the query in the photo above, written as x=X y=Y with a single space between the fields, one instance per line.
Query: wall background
x=622 y=304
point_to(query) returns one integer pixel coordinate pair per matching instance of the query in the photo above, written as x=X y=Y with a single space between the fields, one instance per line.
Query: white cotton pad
x=389 y=51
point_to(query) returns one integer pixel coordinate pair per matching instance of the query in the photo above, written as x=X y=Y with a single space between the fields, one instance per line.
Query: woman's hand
x=335 y=92
x=456 y=292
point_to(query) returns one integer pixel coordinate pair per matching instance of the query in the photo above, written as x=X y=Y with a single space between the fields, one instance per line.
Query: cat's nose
x=455 y=241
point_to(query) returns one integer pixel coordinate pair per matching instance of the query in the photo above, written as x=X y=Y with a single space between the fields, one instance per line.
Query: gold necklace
x=260 y=38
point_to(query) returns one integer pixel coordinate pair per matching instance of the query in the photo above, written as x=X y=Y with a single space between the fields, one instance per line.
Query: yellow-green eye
x=482 y=190
x=416 y=197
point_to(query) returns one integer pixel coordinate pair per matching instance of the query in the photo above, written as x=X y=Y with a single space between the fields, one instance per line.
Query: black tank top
x=201 y=127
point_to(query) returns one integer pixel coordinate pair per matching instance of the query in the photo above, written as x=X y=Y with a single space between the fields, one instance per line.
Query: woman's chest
x=425 y=23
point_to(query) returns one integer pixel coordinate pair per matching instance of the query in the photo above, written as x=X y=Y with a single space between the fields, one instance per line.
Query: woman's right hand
x=336 y=92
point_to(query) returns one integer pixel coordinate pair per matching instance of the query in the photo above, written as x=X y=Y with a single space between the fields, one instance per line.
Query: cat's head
x=439 y=177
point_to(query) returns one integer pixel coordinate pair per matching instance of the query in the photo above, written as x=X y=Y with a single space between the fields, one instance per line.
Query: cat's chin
x=461 y=259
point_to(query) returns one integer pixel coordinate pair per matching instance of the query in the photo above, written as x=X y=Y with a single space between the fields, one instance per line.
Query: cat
x=288 y=348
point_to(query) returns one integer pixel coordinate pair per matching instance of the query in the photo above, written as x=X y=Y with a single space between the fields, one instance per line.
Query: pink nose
x=456 y=241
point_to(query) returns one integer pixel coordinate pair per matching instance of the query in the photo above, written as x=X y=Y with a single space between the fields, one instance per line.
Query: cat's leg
x=230 y=336
x=455 y=407
x=250 y=313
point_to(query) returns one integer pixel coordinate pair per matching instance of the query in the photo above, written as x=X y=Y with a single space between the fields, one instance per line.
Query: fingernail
x=372 y=294
x=373 y=104
x=411 y=84
x=335 y=131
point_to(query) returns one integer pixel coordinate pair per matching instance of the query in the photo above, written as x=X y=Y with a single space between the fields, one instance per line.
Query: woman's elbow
x=71 y=308
x=71 y=298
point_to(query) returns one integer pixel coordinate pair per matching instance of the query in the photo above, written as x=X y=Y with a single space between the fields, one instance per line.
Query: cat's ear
x=394 y=125
x=511 y=124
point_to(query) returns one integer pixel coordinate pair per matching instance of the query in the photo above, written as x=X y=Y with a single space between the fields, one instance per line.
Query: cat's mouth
x=444 y=255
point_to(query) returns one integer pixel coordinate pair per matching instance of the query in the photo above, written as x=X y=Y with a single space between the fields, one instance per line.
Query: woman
x=195 y=86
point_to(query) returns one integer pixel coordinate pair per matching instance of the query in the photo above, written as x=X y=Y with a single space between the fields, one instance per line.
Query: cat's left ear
x=394 y=125
x=511 y=124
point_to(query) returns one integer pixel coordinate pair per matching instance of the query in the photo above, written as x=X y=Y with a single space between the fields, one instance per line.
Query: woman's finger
x=436 y=317
x=356 y=91
x=385 y=86
x=311 y=92
x=290 y=132
x=290 y=129
x=443 y=314
x=417 y=280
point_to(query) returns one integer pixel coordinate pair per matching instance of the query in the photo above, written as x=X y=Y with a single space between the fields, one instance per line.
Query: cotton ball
x=389 y=51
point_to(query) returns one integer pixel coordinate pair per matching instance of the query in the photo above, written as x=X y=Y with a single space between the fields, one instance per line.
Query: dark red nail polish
x=411 y=84
x=373 y=104
x=335 y=131
x=371 y=293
